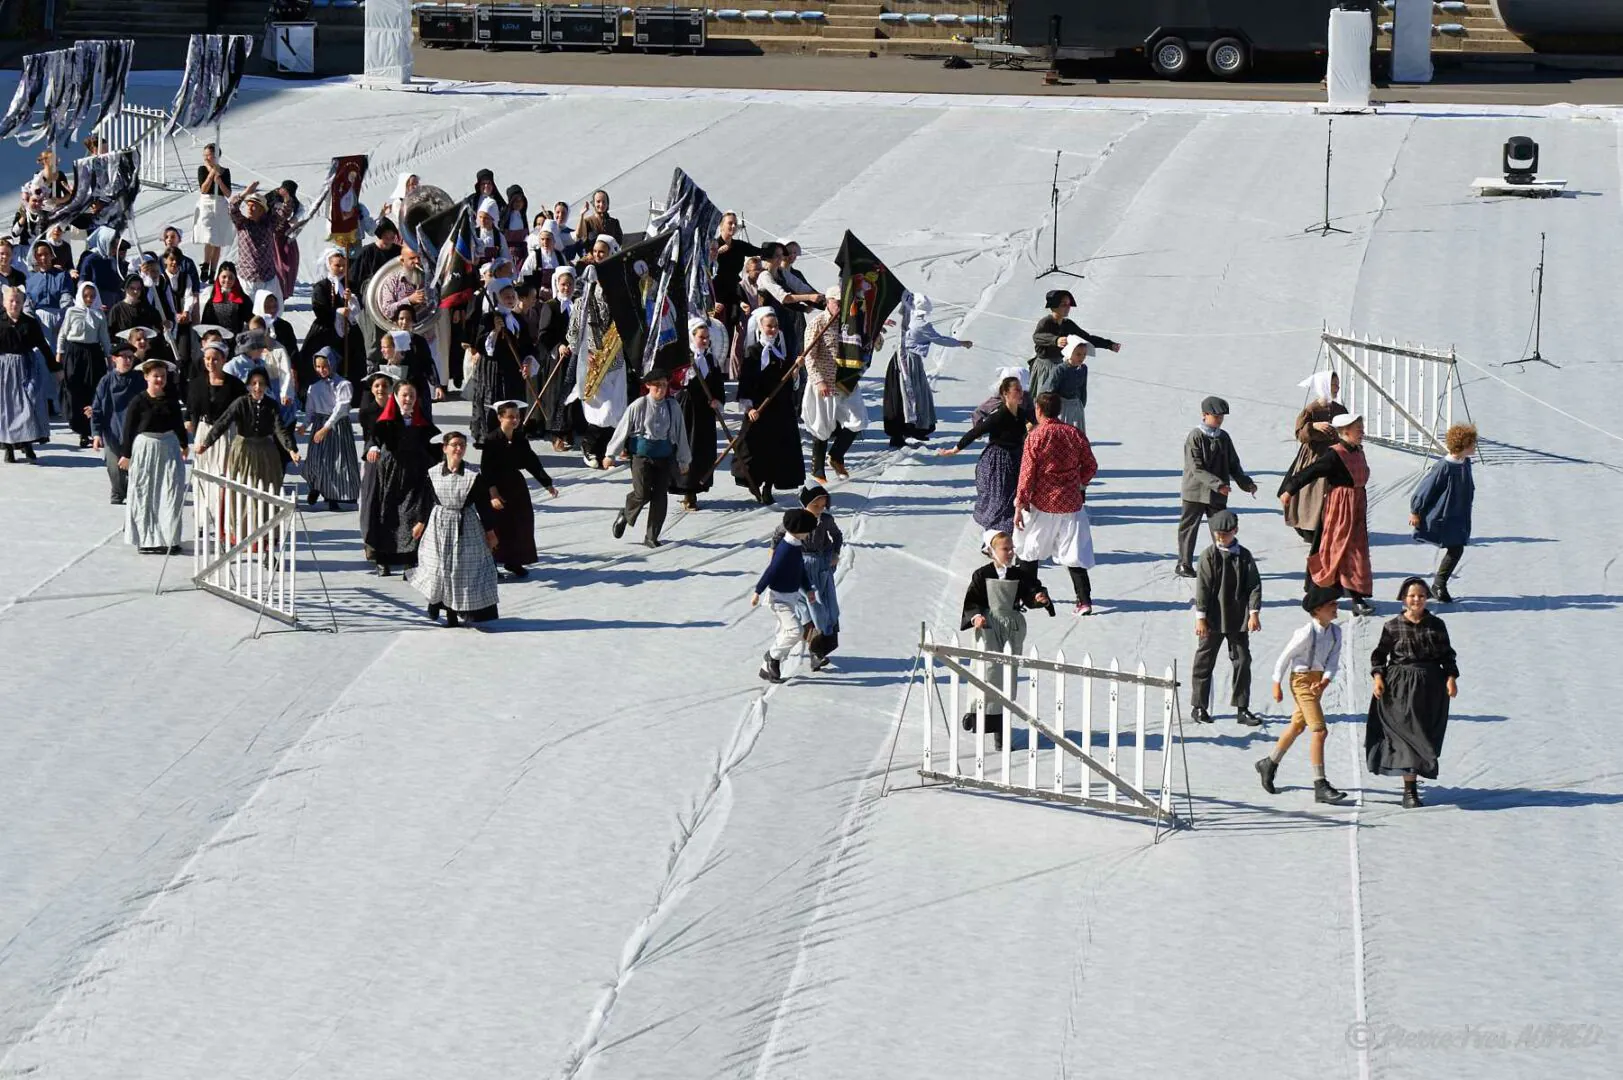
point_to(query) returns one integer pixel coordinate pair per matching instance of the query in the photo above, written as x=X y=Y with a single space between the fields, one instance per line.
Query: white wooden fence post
x=1167 y=703
x=1087 y=726
x=1059 y=723
x=1115 y=729
x=929 y=697
x=1008 y=717
x=1033 y=678
x=1138 y=733
x=952 y=721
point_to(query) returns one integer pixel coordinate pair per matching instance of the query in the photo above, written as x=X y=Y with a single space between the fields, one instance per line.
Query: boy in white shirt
x=1310 y=660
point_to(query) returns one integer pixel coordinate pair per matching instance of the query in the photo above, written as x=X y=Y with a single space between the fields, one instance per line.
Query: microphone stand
x=1538 y=315
x=1053 y=208
x=1324 y=228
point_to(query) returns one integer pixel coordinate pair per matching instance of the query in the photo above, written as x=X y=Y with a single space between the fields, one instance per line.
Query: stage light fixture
x=1521 y=160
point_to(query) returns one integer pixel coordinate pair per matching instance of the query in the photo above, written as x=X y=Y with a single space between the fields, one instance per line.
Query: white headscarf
x=607 y=241
x=701 y=357
x=494 y=290
x=1023 y=374
x=771 y=346
x=1317 y=385
x=565 y=297
x=261 y=296
x=101 y=240
x=401 y=339
x=79 y=296
x=487 y=205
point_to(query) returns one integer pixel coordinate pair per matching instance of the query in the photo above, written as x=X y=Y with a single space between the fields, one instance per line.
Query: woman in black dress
x=507 y=456
x=1415 y=675
x=227 y=305
x=499 y=358
x=394 y=485
x=379 y=390
x=703 y=389
x=768 y=454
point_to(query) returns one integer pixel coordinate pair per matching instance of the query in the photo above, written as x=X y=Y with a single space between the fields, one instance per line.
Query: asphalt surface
x=1488 y=83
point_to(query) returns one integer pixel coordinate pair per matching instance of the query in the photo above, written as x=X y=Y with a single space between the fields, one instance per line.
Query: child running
x=1311 y=659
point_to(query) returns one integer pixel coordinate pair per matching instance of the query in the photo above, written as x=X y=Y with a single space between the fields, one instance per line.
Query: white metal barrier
x=143 y=128
x=1126 y=774
x=1405 y=394
x=245 y=543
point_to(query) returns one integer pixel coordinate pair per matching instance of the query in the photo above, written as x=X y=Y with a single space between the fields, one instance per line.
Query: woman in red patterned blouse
x=1050 y=520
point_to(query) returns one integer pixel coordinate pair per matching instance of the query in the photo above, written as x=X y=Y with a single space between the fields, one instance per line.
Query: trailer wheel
x=1169 y=57
x=1227 y=58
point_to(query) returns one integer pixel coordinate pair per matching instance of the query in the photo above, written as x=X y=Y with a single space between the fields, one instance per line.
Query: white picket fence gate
x=1118 y=769
x=143 y=128
x=245 y=543
x=1405 y=394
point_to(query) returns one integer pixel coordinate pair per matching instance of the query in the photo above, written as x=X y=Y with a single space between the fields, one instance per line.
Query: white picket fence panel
x=143 y=128
x=245 y=546
x=1405 y=394
x=1124 y=775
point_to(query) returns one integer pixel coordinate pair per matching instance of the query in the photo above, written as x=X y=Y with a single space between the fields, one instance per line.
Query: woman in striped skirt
x=154 y=455
x=997 y=474
x=332 y=468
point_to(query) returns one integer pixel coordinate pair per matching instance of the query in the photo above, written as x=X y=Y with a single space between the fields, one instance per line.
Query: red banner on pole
x=344 y=205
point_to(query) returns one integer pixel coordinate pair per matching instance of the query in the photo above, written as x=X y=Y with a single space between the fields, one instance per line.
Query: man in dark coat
x=1228 y=604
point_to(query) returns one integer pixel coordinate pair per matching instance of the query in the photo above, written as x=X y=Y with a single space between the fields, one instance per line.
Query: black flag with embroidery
x=869 y=292
x=644 y=288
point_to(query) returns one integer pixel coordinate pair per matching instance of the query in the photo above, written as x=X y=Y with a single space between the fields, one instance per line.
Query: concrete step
x=853 y=10
x=841 y=25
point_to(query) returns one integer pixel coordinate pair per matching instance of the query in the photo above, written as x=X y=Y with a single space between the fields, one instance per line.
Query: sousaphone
x=430 y=211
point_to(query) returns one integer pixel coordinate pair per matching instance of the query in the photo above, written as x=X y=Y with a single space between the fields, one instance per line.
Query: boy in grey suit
x=1211 y=468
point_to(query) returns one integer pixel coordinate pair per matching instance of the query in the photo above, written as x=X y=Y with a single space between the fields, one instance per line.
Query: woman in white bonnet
x=1315 y=436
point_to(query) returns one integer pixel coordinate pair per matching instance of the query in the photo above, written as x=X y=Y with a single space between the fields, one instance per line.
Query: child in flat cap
x=1211 y=468
x=1228 y=605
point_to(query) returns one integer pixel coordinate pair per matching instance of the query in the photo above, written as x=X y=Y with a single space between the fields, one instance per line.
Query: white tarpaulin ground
x=585 y=843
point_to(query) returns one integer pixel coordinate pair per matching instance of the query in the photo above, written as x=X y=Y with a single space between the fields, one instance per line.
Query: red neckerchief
x=391 y=411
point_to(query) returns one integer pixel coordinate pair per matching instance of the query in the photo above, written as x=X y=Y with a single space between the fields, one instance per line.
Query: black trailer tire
x=1228 y=58
x=1169 y=57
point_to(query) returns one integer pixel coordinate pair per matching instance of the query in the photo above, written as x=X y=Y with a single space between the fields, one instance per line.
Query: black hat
x=656 y=374
x=382 y=224
x=811 y=494
x=291 y=187
x=798 y=522
x=1215 y=405
x=1055 y=296
x=1403 y=590
x=1225 y=521
x=1320 y=595
x=483 y=175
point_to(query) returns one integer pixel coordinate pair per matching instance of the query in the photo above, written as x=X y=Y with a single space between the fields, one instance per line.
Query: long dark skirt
x=515 y=523
x=493 y=379
x=997 y=474
x=1405 y=729
x=82 y=368
x=391 y=499
x=769 y=453
x=552 y=416
x=700 y=418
